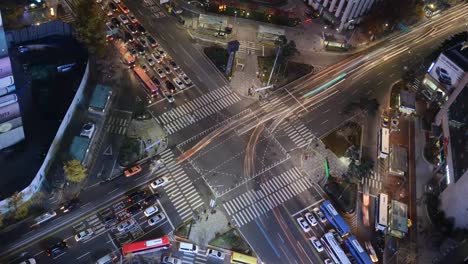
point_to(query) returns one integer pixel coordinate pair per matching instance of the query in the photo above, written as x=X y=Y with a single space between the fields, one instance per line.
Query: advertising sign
x=447 y=73
x=9 y=112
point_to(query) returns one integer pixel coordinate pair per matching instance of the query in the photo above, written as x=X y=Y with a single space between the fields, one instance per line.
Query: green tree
x=90 y=24
x=21 y=212
x=15 y=200
x=12 y=10
x=74 y=171
x=1 y=220
x=455 y=39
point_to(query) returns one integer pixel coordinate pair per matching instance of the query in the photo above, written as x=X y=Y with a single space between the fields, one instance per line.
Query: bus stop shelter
x=210 y=22
x=269 y=33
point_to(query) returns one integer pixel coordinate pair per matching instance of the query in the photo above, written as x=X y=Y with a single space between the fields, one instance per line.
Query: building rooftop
x=99 y=97
x=459 y=55
x=458 y=126
x=407 y=100
x=398 y=162
x=78 y=148
x=399 y=216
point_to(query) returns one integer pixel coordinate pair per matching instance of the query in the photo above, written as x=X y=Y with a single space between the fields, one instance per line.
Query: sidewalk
x=209 y=225
x=423 y=175
x=244 y=80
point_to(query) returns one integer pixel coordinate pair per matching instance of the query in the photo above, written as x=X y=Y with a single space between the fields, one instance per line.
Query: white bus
x=334 y=249
x=384 y=141
x=381 y=212
x=6 y=81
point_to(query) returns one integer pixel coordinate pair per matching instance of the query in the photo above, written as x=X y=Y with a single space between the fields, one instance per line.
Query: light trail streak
x=326 y=85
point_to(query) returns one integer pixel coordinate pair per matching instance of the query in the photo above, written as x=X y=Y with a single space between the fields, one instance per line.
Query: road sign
x=327 y=172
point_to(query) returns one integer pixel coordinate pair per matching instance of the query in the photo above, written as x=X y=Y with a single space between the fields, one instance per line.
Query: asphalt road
x=321 y=114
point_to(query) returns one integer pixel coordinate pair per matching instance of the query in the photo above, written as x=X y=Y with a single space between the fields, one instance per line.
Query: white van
x=107 y=259
x=188 y=247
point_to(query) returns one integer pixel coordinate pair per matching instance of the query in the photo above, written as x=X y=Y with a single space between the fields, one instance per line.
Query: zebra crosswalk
x=198 y=258
x=117 y=125
x=254 y=203
x=195 y=110
x=299 y=134
x=245 y=46
x=180 y=189
x=375 y=180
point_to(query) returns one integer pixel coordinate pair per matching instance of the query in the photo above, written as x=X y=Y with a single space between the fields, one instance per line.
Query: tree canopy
x=90 y=25
x=74 y=171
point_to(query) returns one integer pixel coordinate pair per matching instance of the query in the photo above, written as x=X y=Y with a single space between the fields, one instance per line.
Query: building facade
x=451 y=77
x=343 y=13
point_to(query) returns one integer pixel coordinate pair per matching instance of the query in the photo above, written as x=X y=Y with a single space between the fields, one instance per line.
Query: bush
x=21 y=212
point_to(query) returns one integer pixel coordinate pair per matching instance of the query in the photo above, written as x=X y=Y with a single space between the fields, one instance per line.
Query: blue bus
x=357 y=251
x=335 y=219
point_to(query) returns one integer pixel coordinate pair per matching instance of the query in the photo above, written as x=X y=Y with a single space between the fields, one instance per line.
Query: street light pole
x=235 y=17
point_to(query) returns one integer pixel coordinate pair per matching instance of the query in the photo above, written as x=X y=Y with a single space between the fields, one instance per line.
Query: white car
x=116 y=1
x=125 y=225
x=303 y=223
x=161 y=52
x=328 y=261
x=170 y=260
x=29 y=261
x=88 y=130
x=320 y=215
x=311 y=219
x=318 y=246
x=156 y=219
x=170 y=98
x=151 y=210
x=371 y=251
x=84 y=235
x=123 y=18
x=215 y=254
x=150 y=61
x=178 y=83
x=160 y=73
x=159 y=182
x=157 y=57
x=185 y=79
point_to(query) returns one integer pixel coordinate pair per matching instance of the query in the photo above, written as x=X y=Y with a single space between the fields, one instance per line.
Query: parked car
x=128 y=37
x=167 y=70
x=84 y=235
x=161 y=52
x=159 y=182
x=170 y=260
x=220 y=35
x=320 y=215
x=132 y=171
x=185 y=79
x=141 y=29
x=113 y=7
x=157 y=57
x=174 y=65
x=311 y=219
x=150 y=61
x=156 y=219
x=318 y=246
x=131 y=28
x=124 y=19
x=57 y=249
x=110 y=221
x=152 y=41
x=170 y=86
x=303 y=224
x=151 y=210
x=215 y=253
x=156 y=81
x=160 y=73
x=125 y=225
x=29 y=261
x=151 y=199
x=178 y=83
x=116 y=22
x=88 y=130
x=143 y=42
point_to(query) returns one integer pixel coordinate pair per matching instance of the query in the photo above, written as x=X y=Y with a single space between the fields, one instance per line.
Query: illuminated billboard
x=446 y=73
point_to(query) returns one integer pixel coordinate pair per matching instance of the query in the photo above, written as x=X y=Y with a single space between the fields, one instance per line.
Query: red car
x=129 y=172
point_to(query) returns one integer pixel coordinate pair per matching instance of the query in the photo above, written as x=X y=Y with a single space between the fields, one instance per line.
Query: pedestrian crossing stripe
x=254 y=203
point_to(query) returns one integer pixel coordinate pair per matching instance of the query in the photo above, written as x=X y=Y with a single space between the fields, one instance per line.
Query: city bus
x=357 y=251
x=383 y=144
x=242 y=259
x=142 y=247
x=335 y=219
x=150 y=87
x=381 y=212
x=334 y=249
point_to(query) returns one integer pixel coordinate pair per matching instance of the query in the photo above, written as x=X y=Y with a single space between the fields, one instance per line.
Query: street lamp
x=235 y=16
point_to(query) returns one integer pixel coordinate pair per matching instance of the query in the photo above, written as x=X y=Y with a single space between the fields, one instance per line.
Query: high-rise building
x=450 y=74
x=11 y=124
x=343 y=13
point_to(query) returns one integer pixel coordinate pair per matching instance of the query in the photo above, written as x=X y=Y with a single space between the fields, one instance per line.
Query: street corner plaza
x=233 y=155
